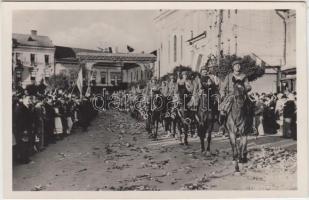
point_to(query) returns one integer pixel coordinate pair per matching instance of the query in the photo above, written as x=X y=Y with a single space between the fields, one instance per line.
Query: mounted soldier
x=226 y=90
x=207 y=96
x=236 y=112
x=154 y=106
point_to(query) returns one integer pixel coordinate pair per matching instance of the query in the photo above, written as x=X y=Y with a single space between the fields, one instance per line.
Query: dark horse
x=155 y=107
x=238 y=121
x=207 y=114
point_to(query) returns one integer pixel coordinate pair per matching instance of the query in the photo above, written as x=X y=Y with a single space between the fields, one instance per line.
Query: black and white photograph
x=155 y=99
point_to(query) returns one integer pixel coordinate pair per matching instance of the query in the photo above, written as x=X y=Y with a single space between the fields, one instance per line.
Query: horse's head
x=239 y=88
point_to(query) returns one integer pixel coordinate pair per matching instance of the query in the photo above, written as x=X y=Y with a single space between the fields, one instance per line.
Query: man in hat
x=207 y=72
x=226 y=90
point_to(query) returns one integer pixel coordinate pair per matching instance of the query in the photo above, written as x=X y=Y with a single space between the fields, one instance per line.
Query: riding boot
x=222 y=117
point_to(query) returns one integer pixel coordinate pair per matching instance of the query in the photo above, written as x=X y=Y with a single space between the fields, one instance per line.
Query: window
x=141 y=75
x=181 y=47
x=46 y=59
x=169 y=50
x=131 y=76
x=103 y=77
x=94 y=76
x=115 y=78
x=175 y=48
x=32 y=59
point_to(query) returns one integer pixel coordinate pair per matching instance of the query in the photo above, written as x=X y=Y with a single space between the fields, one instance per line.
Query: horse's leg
x=232 y=133
x=243 y=150
x=156 y=130
x=180 y=131
x=186 y=127
x=201 y=134
x=174 y=127
x=210 y=124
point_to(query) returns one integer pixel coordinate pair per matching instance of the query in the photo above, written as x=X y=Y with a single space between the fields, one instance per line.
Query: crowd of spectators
x=42 y=117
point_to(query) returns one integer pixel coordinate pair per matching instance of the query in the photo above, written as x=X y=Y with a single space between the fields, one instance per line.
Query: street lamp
x=18 y=73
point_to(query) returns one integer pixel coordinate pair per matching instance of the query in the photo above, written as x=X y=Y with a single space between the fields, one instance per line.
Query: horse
x=237 y=123
x=207 y=114
x=155 y=108
x=184 y=117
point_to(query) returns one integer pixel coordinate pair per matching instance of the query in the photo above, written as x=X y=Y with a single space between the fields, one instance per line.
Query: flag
x=88 y=92
x=79 y=82
x=130 y=49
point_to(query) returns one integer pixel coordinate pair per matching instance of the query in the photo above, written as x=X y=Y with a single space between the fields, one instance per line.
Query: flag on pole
x=79 y=82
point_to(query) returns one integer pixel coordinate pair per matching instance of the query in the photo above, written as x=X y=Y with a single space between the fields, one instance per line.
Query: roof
x=70 y=52
x=117 y=56
x=32 y=40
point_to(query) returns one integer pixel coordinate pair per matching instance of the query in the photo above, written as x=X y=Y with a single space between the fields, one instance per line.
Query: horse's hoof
x=243 y=160
x=237 y=173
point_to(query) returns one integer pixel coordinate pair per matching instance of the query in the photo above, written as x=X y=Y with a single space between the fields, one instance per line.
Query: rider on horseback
x=207 y=76
x=185 y=89
x=226 y=90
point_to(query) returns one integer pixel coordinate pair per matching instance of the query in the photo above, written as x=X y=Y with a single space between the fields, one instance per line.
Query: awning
x=291 y=77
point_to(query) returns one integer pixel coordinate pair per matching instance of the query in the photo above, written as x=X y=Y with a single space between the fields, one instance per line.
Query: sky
x=91 y=29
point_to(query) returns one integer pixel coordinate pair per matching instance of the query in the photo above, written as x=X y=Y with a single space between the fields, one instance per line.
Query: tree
x=248 y=64
x=60 y=81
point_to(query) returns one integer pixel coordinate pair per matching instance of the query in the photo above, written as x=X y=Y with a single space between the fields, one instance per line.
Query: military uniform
x=226 y=90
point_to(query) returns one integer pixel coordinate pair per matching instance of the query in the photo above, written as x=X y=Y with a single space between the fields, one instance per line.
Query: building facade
x=116 y=70
x=32 y=58
x=191 y=37
x=103 y=69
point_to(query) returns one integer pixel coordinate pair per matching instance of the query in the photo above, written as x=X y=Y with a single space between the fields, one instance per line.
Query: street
x=117 y=154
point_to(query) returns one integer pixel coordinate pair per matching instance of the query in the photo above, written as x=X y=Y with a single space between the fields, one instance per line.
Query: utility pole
x=285 y=33
x=220 y=20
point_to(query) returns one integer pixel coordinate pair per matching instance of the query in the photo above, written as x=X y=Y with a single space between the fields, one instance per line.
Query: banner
x=79 y=82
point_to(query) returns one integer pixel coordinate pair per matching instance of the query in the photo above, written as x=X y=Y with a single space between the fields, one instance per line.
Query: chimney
x=34 y=32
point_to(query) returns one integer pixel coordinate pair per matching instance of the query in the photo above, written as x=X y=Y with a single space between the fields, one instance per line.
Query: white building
x=189 y=37
x=32 y=57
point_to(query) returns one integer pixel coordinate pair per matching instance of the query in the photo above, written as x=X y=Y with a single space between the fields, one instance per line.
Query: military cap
x=235 y=62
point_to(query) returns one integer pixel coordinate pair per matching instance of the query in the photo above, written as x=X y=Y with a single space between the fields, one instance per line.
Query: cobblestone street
x=116 y=154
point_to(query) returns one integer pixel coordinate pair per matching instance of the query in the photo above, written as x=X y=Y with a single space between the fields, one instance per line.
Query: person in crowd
x=269 y=118
x=39 y=113
x=258 y=115
x=58 y=122
x=49 y=122
x=41 y=88
x=289 y=117
x=23 y=123
x=279 y=111
x=32 y=89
